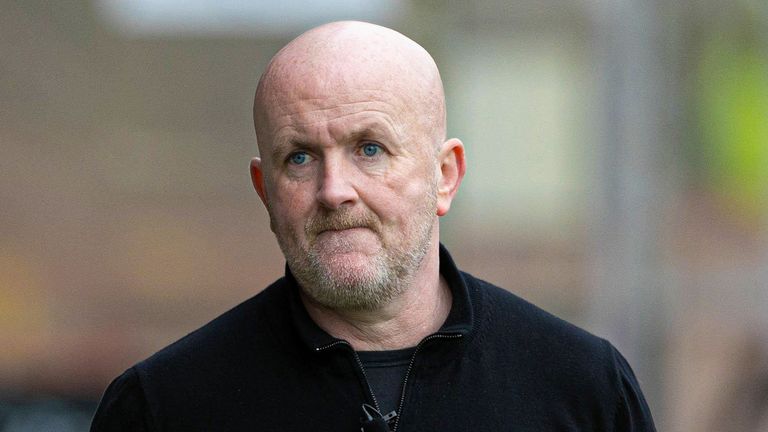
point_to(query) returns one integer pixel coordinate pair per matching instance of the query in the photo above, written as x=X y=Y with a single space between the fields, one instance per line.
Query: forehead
x=306 y=109
x=337 y=77
x=296 y=106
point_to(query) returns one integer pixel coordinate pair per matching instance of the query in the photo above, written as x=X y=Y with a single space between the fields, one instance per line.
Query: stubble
x=333 y=282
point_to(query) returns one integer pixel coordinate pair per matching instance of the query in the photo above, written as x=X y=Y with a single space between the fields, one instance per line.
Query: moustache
x=340 y=220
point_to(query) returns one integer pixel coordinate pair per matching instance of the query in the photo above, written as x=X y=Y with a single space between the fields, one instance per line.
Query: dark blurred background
x=618 y=176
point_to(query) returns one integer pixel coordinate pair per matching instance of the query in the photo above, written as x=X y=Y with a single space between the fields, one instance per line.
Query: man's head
x=354 y=167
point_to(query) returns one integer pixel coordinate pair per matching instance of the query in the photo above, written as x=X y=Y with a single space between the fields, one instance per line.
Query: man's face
x=350 y=185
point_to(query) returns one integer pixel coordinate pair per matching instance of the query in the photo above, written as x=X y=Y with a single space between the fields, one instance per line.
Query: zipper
x=359 y=365
x=410 y=367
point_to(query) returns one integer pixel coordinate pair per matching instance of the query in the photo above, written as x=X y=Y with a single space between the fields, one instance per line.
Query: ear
x=452 y=168
x=257 y=178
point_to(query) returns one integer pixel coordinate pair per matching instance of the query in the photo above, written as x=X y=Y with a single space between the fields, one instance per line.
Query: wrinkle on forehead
x=308 y=119
x=337 y=105
x=363 y=61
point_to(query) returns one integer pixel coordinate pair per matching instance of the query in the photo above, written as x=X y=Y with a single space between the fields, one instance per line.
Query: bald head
x=353 y=58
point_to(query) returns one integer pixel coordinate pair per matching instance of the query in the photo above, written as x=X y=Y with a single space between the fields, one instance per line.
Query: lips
x=340 y=221
x=343 y=233
x=338 y=229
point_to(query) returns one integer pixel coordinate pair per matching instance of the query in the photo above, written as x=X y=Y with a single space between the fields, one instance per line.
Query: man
x=373 y=327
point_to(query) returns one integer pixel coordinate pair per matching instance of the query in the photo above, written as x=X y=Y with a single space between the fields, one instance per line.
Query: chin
x=348 y=284
x=349 y=243
x=348 y=264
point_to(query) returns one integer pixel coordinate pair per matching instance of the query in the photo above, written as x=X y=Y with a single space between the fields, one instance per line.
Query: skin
x=355 y=171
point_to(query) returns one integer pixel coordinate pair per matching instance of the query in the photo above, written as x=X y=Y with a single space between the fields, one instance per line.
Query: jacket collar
x=460 y=319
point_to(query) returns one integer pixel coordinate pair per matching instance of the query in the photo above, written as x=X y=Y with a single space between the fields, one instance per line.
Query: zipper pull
x=374 y=421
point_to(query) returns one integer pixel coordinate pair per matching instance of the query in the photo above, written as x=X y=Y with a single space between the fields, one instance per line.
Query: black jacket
x=497 y=364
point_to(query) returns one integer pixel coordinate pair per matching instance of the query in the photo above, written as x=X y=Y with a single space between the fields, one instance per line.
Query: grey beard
x=334 y=285
x=347 y=289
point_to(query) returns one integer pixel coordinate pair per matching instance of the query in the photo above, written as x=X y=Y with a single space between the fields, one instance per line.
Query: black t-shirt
x=385 y=371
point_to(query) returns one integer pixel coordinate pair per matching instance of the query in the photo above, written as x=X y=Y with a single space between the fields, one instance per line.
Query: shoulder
x=501 y=308
x=534 y=337
x=209 y=374
x=123 y=406
x=561 y=364
x=207 y=369
x=243 y=331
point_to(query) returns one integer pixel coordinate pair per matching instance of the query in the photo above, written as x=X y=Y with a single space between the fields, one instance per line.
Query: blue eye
x=299 y=158
x=371 y=149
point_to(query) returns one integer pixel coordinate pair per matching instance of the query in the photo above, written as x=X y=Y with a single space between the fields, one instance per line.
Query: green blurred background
x=617 y=176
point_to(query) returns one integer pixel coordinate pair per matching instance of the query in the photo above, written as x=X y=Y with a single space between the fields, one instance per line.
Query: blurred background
x=618 y=177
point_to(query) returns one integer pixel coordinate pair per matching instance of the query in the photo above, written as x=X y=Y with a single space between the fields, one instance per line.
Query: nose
x=336 y=185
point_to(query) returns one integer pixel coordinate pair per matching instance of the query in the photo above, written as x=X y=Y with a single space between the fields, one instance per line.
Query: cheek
x=402 y=192
x=291 y=202
x=417 y=179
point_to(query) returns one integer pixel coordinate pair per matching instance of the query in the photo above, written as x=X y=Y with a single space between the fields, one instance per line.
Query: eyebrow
x=282 y=148
x=373 y=131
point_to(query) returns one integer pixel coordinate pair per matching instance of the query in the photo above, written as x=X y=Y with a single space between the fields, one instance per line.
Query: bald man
x=372 y=327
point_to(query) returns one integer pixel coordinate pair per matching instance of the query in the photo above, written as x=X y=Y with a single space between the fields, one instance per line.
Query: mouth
x=342 y=229
x=340 y=224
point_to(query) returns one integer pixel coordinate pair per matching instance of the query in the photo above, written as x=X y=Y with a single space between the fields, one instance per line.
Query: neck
x=418 y=312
